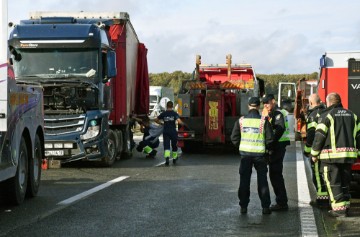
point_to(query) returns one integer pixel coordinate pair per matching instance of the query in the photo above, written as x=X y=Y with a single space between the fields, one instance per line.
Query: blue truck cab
x=73 y=61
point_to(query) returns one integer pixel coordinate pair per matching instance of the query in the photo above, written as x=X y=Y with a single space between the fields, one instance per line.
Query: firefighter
x=315 y=108
x=280 y=127
x=253 y=135
x=336 y=145
x=169 y=118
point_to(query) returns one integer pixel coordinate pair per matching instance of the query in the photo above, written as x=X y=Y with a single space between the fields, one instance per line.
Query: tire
x=119 y=137
x=16 y=186
x=126 y=152
x=35 y=169
x=110 y=157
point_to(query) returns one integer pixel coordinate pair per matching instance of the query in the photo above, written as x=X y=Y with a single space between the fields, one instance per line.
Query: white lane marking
x=91 y=191
x=307 y=218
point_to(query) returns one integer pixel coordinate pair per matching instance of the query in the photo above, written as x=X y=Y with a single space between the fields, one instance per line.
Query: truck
x=295 y=98
x=21 y=126
x=213 y=100
x=340 y=72
x=159 y=96
x=94 y=73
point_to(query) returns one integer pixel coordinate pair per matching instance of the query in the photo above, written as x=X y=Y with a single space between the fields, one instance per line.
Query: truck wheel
x=110 y=158
x=35 y=169
x=16 y=186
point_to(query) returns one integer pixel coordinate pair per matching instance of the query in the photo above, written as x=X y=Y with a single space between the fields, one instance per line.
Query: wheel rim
x=36 y=164
x=111 y=148
x=22 y=169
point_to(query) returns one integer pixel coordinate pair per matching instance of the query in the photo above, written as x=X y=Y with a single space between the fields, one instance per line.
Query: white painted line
x=91 y=191
x=307 y=218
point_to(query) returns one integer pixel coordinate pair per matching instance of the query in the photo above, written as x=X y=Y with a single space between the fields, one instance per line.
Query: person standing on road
x=315 y=108
x=280 y=129
x=253 y=135
x=336 y=145
x=170 y=118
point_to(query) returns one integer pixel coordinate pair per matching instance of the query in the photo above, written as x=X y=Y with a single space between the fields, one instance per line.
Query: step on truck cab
x=212 y=101
x=21 y=126
x=93 y=69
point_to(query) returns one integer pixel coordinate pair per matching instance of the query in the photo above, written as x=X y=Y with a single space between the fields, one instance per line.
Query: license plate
x=54 y=153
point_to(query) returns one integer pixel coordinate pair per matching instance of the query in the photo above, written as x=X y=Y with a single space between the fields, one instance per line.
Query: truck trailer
x=21 y=126
x=93 y=69
x=212 y=101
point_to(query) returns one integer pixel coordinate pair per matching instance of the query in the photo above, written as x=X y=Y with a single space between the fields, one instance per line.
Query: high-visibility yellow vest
x=252 y=135
x=285 y=137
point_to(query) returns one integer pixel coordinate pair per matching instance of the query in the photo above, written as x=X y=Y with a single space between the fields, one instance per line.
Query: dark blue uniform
x=170 y=134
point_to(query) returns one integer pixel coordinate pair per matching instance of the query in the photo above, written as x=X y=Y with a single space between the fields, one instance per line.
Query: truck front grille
x=63 y=124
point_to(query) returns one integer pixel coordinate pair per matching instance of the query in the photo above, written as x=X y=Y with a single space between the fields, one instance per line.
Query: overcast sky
x=277 y=36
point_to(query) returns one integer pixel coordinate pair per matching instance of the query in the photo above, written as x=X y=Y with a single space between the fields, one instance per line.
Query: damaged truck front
x=74 y=59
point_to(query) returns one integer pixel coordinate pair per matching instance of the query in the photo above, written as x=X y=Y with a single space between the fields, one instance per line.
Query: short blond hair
x=333 y=98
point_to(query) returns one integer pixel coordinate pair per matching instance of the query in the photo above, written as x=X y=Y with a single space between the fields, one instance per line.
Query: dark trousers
x=276 y=174
x=245 y=170
x=170 y=139
x=337 y=177
x=150 y=142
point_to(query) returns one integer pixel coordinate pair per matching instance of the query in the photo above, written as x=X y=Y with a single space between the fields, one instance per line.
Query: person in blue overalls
x=169 y=118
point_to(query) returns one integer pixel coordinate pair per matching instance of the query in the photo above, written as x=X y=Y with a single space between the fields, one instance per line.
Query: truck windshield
x=153 y=99
x=56 y=63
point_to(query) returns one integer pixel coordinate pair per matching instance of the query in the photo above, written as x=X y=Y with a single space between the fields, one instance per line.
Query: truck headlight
x=92 y=131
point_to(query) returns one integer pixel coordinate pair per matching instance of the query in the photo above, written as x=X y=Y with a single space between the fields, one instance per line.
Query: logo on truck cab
x=29 y=45
x=355 y=86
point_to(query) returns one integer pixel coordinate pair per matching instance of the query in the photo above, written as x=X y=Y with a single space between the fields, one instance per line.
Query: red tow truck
x=212 y=101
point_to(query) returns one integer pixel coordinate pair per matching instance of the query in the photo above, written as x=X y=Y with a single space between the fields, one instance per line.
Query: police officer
x=253 y=135
x=336 y=145
x=280 y=127
x=315 y=108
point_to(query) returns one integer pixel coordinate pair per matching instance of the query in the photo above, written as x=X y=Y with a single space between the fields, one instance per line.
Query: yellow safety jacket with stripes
x=285 y=137
x=337 y=136
x=252 y=135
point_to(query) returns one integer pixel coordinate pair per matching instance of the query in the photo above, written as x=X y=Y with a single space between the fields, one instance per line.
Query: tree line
x=174 y=79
